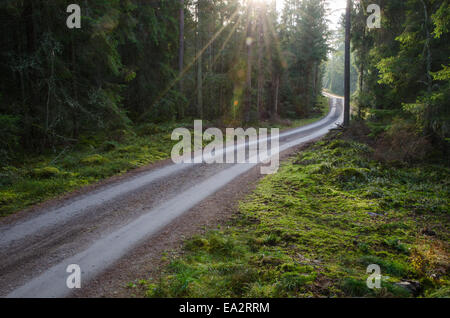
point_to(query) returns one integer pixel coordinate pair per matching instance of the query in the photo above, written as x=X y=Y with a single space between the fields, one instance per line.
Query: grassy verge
x=312 y=229
x=40 y=178
x=93 y=159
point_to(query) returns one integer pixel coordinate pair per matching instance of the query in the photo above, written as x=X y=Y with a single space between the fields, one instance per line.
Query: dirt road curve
x=100 y=228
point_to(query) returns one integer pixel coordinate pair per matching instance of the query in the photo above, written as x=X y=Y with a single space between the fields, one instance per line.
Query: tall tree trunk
x=277 y=89
x=199 y=62
x=248 y=93
x=347 y=64
x=428 y=62
x=75 y=91
x=307 y=89
x=181 y=57
x=361 y=83
x=260 y=105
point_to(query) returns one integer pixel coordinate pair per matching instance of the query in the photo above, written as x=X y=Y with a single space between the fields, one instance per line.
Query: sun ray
x=189 y=66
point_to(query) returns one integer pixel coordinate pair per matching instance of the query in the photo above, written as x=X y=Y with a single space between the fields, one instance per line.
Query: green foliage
x=119 y=71
x=44 y=177
x=9 y=130
x=46 y=172
x=304 y=35
x=302 y=234
x=415 y=33
x=94 y=160
x=441 y=19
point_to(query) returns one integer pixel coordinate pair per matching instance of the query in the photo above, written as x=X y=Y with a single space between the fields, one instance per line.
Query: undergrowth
x=38 y=178
x=312 y=229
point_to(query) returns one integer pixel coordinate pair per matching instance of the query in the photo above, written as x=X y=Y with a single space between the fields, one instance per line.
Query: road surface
x=96 y=229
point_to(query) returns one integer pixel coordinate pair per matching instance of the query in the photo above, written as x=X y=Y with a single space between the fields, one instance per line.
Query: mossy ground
x=38 y=178
x=312 y=229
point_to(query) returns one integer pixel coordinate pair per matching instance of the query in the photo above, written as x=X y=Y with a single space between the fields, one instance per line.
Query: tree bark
x=181 y=56
x=260 y=65
x=277 y=88
x=428 y=61
x=199 y=63
x=249 y=43
x=347 y=64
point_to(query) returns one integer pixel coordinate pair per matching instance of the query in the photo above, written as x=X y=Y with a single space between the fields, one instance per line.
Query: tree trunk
x=347 y=65
x=428 y=61
x=277 y=88
x=260 y=106
x=181 y=56
x=199 y=63
x=248 y=93
x=361 y=83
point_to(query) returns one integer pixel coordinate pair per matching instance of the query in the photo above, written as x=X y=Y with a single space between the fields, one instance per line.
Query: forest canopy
x=135 y=61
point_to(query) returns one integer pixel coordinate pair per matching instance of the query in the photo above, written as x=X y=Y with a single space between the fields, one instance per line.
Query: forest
x=135 y=62
x=88 y=110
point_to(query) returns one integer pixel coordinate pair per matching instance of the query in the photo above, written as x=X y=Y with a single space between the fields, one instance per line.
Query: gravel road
x=99 y=227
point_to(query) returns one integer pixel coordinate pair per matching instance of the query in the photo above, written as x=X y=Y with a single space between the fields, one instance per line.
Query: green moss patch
x=312 y=229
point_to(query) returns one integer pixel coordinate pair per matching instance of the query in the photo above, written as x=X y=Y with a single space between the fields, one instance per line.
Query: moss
x=339 y=143
x=197 y=243
x=7 y=197
x=46 y=172
x=128 y=149
x=292 y=281
x=351 y=174
x=306 y=235
x=355 y=287
x=324 y=168
x=94 y=160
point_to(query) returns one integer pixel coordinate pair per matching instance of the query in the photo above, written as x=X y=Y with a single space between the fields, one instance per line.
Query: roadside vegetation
x=97 y=157
x=312 y=229
x=39 y=178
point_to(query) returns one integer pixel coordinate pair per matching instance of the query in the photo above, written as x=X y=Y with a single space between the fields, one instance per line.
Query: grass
x=43 y=177
x=39 y=178
x=312 y=229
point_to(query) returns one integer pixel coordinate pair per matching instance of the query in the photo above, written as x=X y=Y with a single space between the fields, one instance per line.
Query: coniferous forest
x=135 y=62
x=92 y=93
